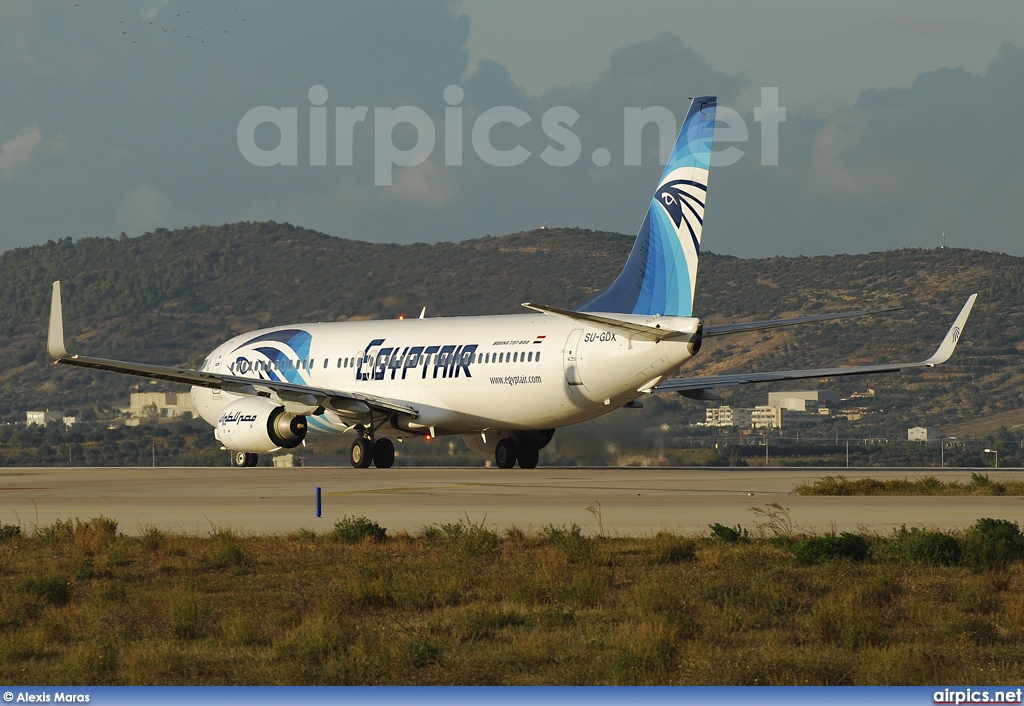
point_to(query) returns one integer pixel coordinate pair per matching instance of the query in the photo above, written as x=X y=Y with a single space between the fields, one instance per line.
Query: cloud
x=18 y=151
x=145 y=209
x=151 y=9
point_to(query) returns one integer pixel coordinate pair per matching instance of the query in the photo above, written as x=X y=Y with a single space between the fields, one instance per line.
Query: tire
x=361 y=453
x=505 y=453
x=252 y=460
x=528 y=456
x=239 y=459
x=383 y=453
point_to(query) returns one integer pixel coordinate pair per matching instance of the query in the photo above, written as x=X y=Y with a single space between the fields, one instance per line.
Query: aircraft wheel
x=243 y=459
x=383 y=453
x=505 y=453
x=361 y=453
x=529 y=456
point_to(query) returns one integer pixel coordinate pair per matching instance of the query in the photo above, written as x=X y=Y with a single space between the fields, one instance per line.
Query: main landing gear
x=244 y=459
x=379 y=452
x=522 y=448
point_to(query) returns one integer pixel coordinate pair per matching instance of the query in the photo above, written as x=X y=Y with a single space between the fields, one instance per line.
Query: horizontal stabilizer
x=941 y=355
x=650 y=333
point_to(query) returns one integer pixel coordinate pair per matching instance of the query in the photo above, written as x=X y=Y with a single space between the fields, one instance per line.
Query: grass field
x=459 y=604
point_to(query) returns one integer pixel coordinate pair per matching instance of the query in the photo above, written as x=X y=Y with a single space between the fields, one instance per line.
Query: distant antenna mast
x=943 y=240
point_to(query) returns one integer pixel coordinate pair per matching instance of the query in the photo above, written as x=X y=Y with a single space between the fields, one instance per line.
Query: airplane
x=504 y=383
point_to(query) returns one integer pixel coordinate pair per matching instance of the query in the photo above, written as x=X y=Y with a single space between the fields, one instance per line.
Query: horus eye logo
x=956 y=334
x=683 y=201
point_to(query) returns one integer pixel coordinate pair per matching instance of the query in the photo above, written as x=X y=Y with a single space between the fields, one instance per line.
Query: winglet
x=945 y=349
x=55 y=339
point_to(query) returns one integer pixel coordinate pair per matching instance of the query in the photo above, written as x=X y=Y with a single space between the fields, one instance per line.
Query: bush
x=731 y=535
x=9 y=531
x=669 y=548
x=472 y=541
x=571 y=541
x=993 y=544
x=817 y=550
x=933 y=548
x=353 y=530
x=52 y=589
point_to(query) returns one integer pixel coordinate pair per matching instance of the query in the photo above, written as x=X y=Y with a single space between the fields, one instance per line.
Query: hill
x=169 y=297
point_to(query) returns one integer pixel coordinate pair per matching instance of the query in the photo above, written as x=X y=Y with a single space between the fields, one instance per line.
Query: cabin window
x=538 y=357
x=529 y=357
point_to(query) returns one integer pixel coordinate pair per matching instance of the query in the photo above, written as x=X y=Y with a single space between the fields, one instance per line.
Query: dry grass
x=980 y=484
x=458 y=604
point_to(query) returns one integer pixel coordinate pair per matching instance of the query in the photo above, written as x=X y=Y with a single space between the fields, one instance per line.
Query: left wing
x=346 y=404
x=702 y=388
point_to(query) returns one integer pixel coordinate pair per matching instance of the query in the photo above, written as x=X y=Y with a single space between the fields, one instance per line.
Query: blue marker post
x=318 y=501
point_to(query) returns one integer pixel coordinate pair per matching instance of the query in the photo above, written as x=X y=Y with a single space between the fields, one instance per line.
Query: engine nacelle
x=259 y=425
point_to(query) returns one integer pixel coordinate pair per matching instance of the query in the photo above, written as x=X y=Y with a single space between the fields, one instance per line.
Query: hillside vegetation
x=169 y=297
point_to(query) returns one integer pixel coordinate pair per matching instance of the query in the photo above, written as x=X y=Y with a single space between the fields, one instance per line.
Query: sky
x=895 y=122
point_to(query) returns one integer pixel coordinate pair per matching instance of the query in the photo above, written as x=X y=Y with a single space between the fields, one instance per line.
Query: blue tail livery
x=661 y=272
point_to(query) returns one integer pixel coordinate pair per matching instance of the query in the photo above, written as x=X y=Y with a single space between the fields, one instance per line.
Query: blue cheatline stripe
x=507 y=696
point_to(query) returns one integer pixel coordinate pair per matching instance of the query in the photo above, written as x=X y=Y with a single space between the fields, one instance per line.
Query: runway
x=622 y=501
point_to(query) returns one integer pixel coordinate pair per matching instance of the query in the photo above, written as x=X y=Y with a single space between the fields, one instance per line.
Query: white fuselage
x=462 y=375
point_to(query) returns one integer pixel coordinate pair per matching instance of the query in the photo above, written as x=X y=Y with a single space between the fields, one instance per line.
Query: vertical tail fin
x=661 y=272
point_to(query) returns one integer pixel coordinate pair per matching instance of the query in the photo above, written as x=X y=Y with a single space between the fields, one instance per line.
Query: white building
x=766 y=416
x=42 y=418
x=159 y=404
x=923 y=434
x=719 y=417
x=804 y=400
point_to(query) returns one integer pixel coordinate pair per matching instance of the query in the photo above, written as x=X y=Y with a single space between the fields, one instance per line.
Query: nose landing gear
x=244 y=459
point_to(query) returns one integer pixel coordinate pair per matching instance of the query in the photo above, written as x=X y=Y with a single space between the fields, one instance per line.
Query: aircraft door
x=571 y=359
x=216 y=369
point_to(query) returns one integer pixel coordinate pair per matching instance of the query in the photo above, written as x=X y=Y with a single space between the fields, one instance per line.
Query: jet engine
x=259 y=425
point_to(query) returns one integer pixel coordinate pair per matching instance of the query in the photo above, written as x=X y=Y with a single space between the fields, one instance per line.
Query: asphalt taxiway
x=623 y=501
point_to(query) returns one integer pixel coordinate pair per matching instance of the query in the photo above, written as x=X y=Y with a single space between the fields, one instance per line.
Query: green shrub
x=59 y=531
x=993 y=544
x=730 y=535
x=926 y=547
x=669 y=548
x=189 y=616
x=51 y=589
x=9 y=531
x=229 y=554
x=570 y=540
x=472 y=541
x=353 y=530
x=817 y=550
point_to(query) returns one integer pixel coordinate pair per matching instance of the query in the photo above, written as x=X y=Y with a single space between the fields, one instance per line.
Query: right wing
x=702 y=387
x=346 y=404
